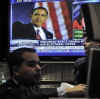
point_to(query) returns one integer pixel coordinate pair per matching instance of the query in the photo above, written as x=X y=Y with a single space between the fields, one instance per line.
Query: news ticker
x=44 y=47
x=49 y=43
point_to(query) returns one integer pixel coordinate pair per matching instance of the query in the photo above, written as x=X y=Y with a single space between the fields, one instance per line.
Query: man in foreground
x=25 y=73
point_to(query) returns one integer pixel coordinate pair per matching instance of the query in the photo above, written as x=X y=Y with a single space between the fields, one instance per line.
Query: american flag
x=59 y=20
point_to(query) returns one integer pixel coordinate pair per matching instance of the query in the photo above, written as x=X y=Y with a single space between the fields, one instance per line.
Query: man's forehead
x=30 y=56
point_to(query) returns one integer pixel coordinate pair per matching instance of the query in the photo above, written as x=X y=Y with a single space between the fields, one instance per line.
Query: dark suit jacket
x=80 y=70
x=11 y=90
x=26 y=31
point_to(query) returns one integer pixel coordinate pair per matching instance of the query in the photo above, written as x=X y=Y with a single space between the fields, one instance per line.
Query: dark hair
x=40 y=8
x=15 y=58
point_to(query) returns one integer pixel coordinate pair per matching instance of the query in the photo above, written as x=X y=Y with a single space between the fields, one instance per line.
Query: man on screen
x=33 y=30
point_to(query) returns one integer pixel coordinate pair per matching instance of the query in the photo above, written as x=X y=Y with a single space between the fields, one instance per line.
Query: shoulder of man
x=4 y=88
x=48 y=33
x=11 y=90
x=81 y=60
x=7 y=87
x=17 y=23
x=47 y=30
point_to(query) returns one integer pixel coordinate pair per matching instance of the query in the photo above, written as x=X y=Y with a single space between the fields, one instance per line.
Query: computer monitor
x=92 y=20
x=93 y=79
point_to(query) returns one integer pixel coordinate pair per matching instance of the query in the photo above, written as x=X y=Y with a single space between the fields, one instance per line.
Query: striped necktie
x=38 y=35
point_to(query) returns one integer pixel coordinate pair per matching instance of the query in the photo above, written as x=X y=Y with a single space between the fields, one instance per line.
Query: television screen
x=52 y=27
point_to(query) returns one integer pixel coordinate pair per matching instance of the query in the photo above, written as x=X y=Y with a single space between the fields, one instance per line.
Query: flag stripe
x=49 y=23
x=61 y=21
x=67 y=17
x=54 y=20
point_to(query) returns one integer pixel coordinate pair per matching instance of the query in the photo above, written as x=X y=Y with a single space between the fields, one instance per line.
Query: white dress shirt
x=41 y=33
x=62 y=90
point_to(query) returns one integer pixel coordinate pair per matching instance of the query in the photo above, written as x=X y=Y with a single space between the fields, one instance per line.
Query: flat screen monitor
x=92 y=20
x=64 y=33
x=93 y=79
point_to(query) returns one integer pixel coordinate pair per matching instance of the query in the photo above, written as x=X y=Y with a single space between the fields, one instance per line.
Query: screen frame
x=58 y=58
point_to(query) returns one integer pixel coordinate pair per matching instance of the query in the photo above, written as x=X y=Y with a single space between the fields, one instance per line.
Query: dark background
x=4 y=38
